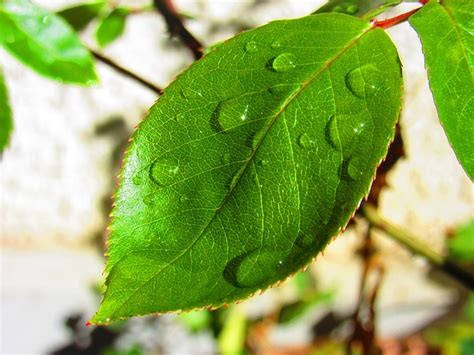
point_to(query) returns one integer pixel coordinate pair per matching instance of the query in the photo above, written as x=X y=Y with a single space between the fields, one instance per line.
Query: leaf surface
x=447 y=35
x=6 y=121
x=45 y=42
x=249 y=163
x=79 y=16
x=361 y=8
x=111 y=27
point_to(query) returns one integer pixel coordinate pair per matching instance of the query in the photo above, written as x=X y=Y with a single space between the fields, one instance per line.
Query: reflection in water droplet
x=254 y=268
x=352 y=9
x=226 y=158
x=276 y=44
x=305 y=141
x=189 y=93
x=229 y=114
x=163 y=172
x=355 y=168
x=251 y=47
x=284 y=62
x=342 y=129
x=137 y=179
x=364 y=81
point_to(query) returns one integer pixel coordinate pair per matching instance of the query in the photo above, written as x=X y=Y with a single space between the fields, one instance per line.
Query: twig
x=446 y=265
x=177 y=28
x=390 y=22
x=126 y=72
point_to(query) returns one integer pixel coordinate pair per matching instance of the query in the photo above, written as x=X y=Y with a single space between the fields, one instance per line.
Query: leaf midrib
x=247 y=164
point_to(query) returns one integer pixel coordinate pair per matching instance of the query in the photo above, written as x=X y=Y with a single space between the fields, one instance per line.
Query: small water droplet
x=229 y=114
x=189 y=93
x=137 y=179
x=226 y=158
x=179 y=117
x=280 y=90
x=46 y=19
x=263 y=162
x=284 y=62
x=352 y=9
x=355 y=168
x=341 y=130
x=337 y=8
x=163 y=172
x=364 y=81
x=183 y=198
x=149 y=199
x=276 y=44
x=305 y=141
x=251 y=47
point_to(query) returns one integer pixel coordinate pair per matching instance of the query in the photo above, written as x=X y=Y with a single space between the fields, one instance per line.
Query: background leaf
x=360 y=8
x=111 y=27
x=44 y=42
x=446 y=32
x=249 y=163
x=79 y=16
x=461 y=245
x=6 y=121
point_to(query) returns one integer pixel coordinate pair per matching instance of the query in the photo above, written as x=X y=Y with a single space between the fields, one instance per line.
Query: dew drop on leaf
x=352 y=9
x=163 y=173
x=179 y=117
x=251 y=47
x=276 y=44
x=355 y=168
x=364 y=81
x=338 y=8
x=226 y=158
x=263 y=162
x=149 y=199
x=305 y=141
x=183 y=198
x=342 y=129
x=229 y=114
x=284 y=62
x=280 y=90
x=137 y=179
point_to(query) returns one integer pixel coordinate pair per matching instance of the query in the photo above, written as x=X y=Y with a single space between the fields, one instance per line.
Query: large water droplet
x=254 y=268
x=355 y=168
x=189 y=93
x=305 y=141
x=284 y=62
x=341 y=129
x=229 y=114
x=251 y=47
x=164 y=172
x=364 y=81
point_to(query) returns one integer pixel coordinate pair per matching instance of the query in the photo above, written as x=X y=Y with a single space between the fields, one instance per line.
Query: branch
x=446 y=265
x=177 y=28
x=126 y=72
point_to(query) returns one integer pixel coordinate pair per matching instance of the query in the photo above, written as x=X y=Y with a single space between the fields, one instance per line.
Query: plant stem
x=126 y=72
x=446 y=265
x=390 y=22
x=177 y=28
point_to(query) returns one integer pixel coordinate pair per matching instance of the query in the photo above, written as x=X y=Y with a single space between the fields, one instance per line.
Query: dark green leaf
x=45 y=42
x=446 y=32
x=360 y=8
x=249 y=163
x=461 y=246
x=79 y=16
x=111 y=26
x=6 y=121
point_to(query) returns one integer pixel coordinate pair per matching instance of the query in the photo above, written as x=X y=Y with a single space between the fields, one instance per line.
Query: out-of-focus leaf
x=6 y=120
x=79 y=16
x=249 y=163
x=111 y=27
x=360 y=8
x=450 y=338
x=467 y=346
x=232 y=337
x=461 y=245
x=293 y=311
x=45 y=42
x=196 y=320
x=446 y=31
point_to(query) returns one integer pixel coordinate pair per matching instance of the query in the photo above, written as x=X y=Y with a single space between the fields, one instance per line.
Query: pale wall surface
x=56 y=171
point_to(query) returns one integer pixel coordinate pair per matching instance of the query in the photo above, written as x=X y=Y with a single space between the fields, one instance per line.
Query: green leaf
x=79 y=16
x=44 y=42
x=232 y=337
x=292 y=312
x=6 y=121
x=446 y=32
x=361 y=8
x=111 y=26
x=461 y=246
x=196 y=320
x=249 y=163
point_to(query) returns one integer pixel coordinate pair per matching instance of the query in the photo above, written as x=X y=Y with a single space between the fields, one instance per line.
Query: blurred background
x=59 y=172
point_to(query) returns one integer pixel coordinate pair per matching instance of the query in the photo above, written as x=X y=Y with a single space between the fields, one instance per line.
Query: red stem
x=390 y=22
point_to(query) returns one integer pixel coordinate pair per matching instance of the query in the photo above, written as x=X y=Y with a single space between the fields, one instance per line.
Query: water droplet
x=163 y=172
x=305 y=141
x=337 y=8
x=149 y=199
x=251 y=47
x=284 y=62
x=355 y=168
x=276 y=44
x=179 y=117
x=229 y=114
x=226 y=158
x=189 y=93
x=137 y=179
x=263 y=162
x=364 y=81
x=254 y=268
x=280 y=90
x=352 y=9
x=183 y=198
x=342 y=129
